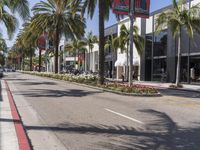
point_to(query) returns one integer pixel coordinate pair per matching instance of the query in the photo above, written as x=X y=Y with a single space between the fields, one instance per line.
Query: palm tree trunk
x=20 y=63
x=23 y=62
x=31 y=60
x=127 y=67
x=75 y=59
x=89 y=59
x=56 y=49
x=131 y=44
x=101 y=41
x=112 y=63
x=40 y=60
x=178 y=60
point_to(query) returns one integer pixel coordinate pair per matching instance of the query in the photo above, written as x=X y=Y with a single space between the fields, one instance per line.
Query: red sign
x=142 y=8
x=42 y=41
x=80 y=57
x=122 y=7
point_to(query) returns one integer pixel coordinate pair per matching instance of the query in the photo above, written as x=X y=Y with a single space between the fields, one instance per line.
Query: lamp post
x=131 y=16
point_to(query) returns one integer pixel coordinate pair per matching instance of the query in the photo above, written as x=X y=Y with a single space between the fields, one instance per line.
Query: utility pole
x=131 y=16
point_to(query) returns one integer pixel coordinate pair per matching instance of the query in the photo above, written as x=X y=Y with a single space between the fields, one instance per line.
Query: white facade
x=92 y=59
x=122 y=56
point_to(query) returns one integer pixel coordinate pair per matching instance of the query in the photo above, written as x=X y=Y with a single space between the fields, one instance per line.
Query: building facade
x=159 y=59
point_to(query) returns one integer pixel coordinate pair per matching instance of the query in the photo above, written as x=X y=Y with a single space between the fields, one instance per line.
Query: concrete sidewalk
x=186 y=87
x=8 y=136
x=12 y=134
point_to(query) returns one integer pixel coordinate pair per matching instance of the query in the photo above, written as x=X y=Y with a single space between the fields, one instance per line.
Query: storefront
x=160 y=56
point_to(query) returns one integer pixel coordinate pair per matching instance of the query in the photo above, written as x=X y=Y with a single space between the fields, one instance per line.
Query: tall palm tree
x=177 y=18
x=124 y=42
x=9 y=7
x=104 y=8
x=58 y=18
x=3 y=45
x=91 y=40
x=113 y=43
x=30 y=41
x=27 y=41
x=75 y=47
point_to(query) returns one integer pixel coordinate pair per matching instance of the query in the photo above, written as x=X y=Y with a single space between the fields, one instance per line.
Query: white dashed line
x=127 y=117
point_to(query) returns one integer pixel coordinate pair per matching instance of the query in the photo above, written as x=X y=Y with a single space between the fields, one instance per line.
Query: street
x=61 y=115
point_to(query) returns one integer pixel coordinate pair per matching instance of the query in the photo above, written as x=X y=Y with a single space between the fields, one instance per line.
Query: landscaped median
x=92 y=81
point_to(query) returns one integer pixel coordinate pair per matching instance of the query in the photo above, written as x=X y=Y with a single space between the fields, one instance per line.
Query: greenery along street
x=92 y=81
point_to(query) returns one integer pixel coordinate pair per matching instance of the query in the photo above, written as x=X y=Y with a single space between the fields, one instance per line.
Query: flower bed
x=93 y=81
x=135 y=88
x=85 y=79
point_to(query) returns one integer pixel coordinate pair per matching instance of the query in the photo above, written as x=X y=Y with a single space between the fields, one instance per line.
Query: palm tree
x=3 y=45
x=91 y=40
x=30 y=41
x=124 y=42
x=58 y=18
x=75 y=47
x=27 y=41
x=177 y=18
x=9 y=20
x=113 y=43
x=104 y=8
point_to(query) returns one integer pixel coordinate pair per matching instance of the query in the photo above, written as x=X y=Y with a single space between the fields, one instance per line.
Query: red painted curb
x=21 y=135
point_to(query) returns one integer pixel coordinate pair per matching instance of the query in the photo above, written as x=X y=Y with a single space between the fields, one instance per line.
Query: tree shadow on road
x=58 y=93
x=180 y=93
x=16 y=79
x=161 y=132
x=37 y=83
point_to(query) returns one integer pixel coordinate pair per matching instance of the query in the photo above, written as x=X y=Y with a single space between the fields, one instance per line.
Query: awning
x=122 y=61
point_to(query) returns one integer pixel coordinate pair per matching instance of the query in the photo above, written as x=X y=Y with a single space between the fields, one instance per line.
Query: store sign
x=142 y=8
x=122 y=7
x=42 y=41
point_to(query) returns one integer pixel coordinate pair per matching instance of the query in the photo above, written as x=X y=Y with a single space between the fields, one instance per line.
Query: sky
x=92 y=25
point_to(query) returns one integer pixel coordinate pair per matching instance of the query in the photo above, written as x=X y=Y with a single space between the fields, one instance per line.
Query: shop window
x=195 y=69
x=160 y=44
x=148 y=46
x=159 y=69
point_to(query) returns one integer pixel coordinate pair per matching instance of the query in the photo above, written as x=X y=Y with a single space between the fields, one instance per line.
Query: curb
x=20 y=132
x=170 y=88
x=187 y=90
x=103 y=89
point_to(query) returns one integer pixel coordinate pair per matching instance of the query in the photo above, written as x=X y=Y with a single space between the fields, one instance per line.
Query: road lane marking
x=127 y=117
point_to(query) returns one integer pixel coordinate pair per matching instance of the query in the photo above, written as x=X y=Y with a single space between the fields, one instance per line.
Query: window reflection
x=160 y=44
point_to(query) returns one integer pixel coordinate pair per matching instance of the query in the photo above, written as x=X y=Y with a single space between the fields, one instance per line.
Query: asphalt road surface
x=60 y=115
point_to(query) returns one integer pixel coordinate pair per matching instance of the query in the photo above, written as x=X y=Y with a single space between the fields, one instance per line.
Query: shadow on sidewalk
x=58 y=93
x=9 y=120
x=161 y=132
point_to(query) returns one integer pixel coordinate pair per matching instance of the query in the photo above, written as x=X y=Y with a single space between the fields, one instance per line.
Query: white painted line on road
x=127 y=117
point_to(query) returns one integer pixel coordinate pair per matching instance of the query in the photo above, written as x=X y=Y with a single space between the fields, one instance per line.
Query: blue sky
x=92 y=25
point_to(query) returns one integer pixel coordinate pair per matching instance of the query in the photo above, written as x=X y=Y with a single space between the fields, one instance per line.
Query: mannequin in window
x=192 y=74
